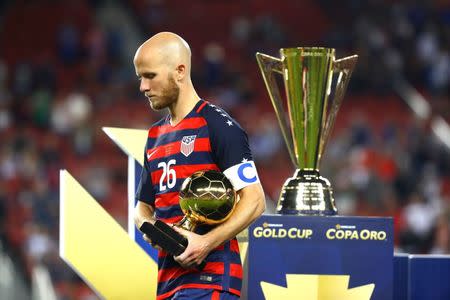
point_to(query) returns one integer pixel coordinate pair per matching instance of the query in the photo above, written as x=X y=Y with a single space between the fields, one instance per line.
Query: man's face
x=157 y=84
x=164 y=97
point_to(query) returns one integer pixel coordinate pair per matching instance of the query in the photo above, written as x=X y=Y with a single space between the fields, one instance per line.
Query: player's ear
x=180 y=72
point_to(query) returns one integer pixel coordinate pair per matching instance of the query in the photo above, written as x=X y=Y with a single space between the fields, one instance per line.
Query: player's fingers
x=184 y=259
x=198 y=262
x=180 y=258
x=187 y=265
x=147 y=239
x=181 y=230
x=180 y=261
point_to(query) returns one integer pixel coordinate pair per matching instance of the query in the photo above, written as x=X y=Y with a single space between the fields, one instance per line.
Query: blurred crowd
x=66 y=71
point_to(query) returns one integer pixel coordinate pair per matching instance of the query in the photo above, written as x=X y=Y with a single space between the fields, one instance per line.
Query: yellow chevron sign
x=99 y=250
x=316 y=287
x=131 y=141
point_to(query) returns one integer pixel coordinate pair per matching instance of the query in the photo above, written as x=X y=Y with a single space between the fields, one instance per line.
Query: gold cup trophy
x=308 y=78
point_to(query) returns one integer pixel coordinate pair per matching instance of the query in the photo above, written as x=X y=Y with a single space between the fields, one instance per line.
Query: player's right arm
x=144 y=210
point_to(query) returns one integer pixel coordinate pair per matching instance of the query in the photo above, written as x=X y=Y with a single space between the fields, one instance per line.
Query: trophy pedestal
x=304 y=255
x=307 y=193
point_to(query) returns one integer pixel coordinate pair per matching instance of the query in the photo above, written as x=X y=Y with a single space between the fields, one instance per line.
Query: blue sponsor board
x=401 y=271
x=429 y=277
x=361 y=247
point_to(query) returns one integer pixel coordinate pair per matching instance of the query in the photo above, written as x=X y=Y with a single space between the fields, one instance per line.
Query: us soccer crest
x=187 y=144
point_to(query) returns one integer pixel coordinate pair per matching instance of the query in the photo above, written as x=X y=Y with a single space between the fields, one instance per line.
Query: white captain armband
x=242 y=175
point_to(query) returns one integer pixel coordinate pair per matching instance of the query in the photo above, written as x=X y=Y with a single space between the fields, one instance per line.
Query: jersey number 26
x=169 y=173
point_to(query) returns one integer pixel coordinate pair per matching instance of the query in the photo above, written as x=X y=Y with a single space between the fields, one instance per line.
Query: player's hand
x=197 y=250
x=146 y=237
x=148 y=240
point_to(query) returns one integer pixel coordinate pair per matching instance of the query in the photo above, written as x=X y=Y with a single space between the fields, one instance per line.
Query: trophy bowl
x=206 y=197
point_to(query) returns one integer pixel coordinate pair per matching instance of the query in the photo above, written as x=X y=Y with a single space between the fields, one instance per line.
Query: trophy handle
x=269 y=64
x=344 y=67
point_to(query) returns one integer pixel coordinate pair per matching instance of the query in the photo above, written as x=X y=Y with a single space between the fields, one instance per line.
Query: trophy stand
x=320 y=258
x=307 y=192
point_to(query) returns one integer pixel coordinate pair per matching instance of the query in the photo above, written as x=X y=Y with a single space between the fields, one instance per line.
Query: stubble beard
x=169 y=95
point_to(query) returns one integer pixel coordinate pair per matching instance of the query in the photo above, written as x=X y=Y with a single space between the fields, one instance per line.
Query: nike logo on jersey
x=150 y=154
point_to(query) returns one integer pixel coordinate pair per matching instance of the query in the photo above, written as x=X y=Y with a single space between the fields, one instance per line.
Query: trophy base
x=307 y=193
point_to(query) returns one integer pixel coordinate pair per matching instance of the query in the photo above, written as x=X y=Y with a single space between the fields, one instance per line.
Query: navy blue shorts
x=203 y=294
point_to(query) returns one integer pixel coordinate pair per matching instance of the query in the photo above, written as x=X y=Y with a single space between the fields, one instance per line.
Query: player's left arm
x=250 y=206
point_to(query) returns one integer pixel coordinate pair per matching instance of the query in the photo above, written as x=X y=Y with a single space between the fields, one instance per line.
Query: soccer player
x=195 y=135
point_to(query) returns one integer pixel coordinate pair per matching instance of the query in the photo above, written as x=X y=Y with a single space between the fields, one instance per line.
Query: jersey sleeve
x=144 y=190
x=230 y=149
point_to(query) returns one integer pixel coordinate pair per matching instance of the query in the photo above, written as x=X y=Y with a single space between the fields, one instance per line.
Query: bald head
x=165 y=48
x=163 y=65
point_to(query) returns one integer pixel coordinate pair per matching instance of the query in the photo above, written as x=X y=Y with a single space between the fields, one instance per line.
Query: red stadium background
x=66 y=71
